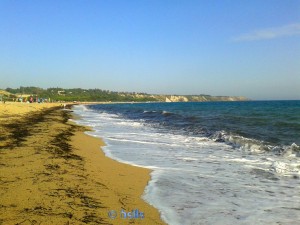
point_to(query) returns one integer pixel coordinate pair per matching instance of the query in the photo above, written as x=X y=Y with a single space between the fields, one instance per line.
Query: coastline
x=54 y=173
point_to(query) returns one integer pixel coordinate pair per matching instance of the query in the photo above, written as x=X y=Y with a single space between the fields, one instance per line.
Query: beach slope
x=53 y=173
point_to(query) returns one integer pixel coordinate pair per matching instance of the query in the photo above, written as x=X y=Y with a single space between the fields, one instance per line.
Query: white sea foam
x=198 y=181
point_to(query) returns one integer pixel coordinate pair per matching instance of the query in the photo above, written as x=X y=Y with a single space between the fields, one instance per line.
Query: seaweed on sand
x=16 y=132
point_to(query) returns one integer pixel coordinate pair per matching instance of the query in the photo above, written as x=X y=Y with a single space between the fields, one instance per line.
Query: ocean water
x=212 y=162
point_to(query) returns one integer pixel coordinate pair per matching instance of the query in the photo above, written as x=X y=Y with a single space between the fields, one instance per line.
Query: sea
x=212 y=162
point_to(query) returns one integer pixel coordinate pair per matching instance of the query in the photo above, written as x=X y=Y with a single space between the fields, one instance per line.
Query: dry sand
x=53 y=173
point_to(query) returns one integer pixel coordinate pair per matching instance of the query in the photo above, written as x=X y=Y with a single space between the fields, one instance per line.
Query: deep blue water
x=270 y=124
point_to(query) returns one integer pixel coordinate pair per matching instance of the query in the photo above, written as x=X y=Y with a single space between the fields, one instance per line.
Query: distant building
x=61 y=92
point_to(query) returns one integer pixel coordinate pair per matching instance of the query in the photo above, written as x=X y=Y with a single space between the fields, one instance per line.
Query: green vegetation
x=81 y=95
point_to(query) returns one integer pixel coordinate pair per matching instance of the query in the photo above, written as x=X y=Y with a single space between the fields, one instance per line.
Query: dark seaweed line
x=21 y=129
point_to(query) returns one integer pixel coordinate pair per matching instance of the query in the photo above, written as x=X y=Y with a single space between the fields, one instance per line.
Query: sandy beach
x=53 y=173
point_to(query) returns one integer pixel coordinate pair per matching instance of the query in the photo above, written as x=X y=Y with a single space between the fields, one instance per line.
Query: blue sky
x=237 y=48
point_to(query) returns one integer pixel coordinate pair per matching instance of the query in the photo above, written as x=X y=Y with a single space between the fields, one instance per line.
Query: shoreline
x=54 y=173
x=128 y=181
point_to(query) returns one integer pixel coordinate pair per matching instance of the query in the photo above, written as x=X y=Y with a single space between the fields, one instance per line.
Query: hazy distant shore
x=36 y=94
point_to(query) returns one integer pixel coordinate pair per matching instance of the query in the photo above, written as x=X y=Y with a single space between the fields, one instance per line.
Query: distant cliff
x=198 y=98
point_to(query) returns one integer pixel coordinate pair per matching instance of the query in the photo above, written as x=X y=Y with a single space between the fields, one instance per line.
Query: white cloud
x=270 y=33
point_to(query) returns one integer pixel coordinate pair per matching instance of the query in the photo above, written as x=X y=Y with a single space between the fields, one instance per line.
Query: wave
x=149 y=111
x=253 y=145
x=158 y=113
x=166 y=113
x=251 y=135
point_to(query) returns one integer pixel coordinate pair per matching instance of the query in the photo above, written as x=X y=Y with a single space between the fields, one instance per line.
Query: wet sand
x=53 y=173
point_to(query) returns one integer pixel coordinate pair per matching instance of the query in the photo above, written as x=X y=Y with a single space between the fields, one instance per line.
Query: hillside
x=5 y=93
x=88 y=95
